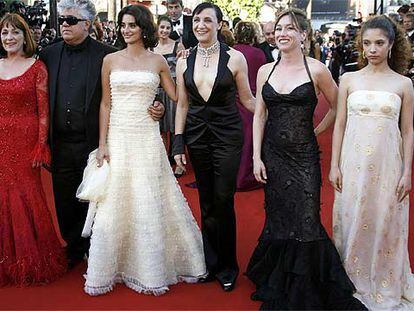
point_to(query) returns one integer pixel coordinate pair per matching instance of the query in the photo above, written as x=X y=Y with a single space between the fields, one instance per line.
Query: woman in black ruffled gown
x=295 y=265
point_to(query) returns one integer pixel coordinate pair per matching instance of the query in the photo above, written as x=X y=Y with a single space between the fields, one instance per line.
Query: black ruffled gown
x=295 y=265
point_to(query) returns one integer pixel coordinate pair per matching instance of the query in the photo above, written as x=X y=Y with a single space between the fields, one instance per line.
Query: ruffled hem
x=137 y=286
x=294 y=275
x=41 y=154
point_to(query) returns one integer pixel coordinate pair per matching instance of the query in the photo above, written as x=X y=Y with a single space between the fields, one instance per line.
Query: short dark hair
x=235 y=21
x=144 y=20
x=180 y=2
x=403 y=9
x=207 y=5
x=15 y=20
x=410 y=15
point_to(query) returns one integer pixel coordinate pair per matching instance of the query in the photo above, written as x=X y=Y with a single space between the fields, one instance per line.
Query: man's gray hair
x=86 y=7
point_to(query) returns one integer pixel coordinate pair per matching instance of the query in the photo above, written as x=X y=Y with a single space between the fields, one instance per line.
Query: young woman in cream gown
x=144 y=234
x=371 y=170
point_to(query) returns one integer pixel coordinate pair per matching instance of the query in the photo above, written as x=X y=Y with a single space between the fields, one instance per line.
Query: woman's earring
x=363 y=54
x=389 y=53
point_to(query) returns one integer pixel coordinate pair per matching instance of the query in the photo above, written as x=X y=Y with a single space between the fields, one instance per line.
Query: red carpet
x=67 y=293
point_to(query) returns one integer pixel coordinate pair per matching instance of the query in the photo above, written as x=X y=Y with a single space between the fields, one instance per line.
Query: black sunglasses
x=70 y=20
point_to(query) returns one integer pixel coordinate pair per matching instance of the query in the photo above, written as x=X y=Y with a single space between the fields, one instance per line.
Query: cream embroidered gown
x=144 y=233
x=370 y=226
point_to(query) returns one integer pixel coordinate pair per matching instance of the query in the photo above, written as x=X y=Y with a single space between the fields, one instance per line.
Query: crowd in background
x=243 y=116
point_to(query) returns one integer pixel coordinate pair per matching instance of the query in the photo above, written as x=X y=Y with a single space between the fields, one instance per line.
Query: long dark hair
x=144 y=20
x=400 y=51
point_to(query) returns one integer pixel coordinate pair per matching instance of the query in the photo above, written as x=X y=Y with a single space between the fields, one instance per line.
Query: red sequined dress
x=30 y=251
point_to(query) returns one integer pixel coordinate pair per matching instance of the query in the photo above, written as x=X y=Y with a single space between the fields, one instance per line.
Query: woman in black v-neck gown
x=295 y=265
x=214 y=136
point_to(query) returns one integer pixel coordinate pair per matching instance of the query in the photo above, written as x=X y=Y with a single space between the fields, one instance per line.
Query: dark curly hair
x=144 y=20
x=245 y=32
x=400 y=51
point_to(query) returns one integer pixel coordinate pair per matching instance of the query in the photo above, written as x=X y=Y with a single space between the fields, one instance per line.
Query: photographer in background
x=344 y=54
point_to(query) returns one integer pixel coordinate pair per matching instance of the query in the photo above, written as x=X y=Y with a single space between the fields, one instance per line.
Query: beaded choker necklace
x=206 y=53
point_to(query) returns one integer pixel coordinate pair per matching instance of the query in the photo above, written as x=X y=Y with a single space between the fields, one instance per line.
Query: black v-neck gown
x=295 y=265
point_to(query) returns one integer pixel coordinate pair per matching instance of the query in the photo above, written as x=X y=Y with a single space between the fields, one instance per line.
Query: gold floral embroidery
x=388 y=253
x=385 y=283
x=355 y=259
x=375 y=179
x=380 y=129
x=379 y=298
x=365 y=226
x=363 y=200
x=386 y=109
x=369 y=150
x=365 y=110
x=371 y=167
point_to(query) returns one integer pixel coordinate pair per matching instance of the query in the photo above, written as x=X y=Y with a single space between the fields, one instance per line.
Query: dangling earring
x=363 y=54
x=389 y=53
x=302 y=46
x=144 y=36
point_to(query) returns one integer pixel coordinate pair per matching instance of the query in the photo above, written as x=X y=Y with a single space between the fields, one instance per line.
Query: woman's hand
x=102 y=155
x=259 y=171
x=335 y=177
x=183 y=54
x=156 y=110
x=181 y=161
x=404 y=187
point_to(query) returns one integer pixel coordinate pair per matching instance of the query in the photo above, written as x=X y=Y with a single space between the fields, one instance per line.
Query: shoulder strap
x=175 y=48
x=307 y=68
x=273 y=69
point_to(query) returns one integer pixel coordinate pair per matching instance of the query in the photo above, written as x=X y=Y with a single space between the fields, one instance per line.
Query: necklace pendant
x=206 y=62
x=207 y=53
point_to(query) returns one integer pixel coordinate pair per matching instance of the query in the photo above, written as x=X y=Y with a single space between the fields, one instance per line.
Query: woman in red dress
x=30 y=251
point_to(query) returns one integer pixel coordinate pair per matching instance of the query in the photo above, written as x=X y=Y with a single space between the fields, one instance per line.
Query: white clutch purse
x=93 y=188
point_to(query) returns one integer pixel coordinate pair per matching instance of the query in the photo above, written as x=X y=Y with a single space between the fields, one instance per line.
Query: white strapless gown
x=370 y=226
x=144 y=234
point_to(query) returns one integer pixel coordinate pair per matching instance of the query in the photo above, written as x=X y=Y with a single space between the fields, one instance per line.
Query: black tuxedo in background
x=71 y=146
x=188 y=38
x=265 y=47
x=411 y=39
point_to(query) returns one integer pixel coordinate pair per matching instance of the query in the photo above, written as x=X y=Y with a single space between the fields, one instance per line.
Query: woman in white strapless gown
x=144 y=234
x=371 y=171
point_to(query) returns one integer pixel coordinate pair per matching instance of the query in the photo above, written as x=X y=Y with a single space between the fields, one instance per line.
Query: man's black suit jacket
x=188 y=38
x=265 y=47
x=51 y=56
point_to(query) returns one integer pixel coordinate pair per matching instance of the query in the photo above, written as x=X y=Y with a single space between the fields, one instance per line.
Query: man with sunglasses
x=74 y=67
